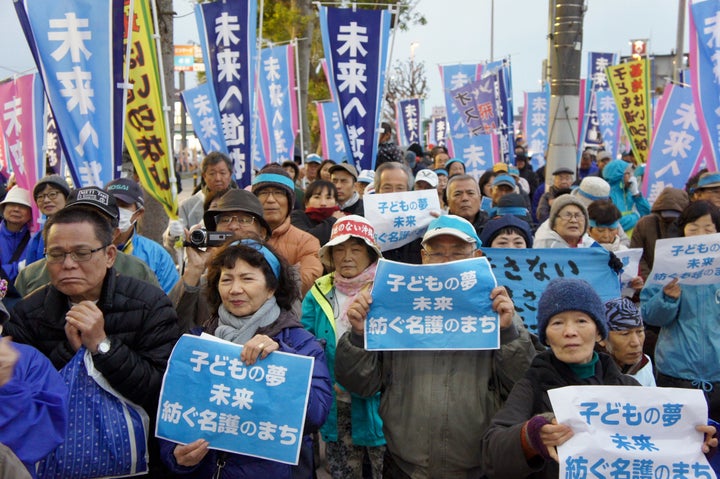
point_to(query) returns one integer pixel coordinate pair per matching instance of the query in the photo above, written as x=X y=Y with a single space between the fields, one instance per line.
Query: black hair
x=286 y=286
x=486 y=178
x=82 y=214
x=603 y=212
x=294 y=166
x=698 y=209
x=318 y=186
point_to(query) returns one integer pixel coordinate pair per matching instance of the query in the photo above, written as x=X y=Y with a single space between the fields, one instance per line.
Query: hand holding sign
x=191 y=454
x=358 y=310
x=503 y=305
x=259 y=346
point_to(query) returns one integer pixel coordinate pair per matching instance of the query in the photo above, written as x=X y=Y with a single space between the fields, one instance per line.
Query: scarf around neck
x=240 y=329
x=321 y=214
x=351 y=287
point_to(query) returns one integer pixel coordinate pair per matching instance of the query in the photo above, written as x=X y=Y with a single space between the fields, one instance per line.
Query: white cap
x=428 y=176
x=366 y=176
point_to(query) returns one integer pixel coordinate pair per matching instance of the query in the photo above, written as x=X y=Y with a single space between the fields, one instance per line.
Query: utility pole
x=565 y=31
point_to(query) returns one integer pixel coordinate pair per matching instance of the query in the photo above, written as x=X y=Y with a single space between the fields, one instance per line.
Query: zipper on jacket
x=220 y=465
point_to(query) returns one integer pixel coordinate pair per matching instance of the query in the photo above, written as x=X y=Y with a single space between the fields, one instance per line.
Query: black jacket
x=139 y=321
x=502 y=451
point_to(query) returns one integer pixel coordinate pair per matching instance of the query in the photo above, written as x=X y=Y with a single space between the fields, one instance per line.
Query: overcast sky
x=458 y=31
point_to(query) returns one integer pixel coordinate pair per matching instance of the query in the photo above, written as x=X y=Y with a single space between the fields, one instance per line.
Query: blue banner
x=477 y=105
x=278 y=103
x=704 y=57
x=259 y=410
x=409 y=118
x=356 y=46
x=53 y=151
x=227 y=35
x=454 y=77
x=479 y=153
x=333 y=137
x=439 y=132
x=536 y=122
x=597 y=81
x=77 y=46
x=525 y=273
x=203 y=110
x=609 y=121
x=503 y=96
x=676 y=142
x=434 y=306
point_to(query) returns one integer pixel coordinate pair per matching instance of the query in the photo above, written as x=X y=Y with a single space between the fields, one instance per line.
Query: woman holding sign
x=522 y=438
x=251 y=291
x=354 y=425
x=687 y=352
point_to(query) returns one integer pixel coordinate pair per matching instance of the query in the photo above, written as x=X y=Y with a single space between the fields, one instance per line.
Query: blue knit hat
x=564 y=294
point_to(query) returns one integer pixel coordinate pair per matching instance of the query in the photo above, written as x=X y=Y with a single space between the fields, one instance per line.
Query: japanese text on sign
x=209 y=393
x=400 y=218
x=443 y=307
x=693 y=260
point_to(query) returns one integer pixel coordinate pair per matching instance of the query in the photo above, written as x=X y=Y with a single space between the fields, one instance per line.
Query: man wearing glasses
x=436 y=405
x=128 y=325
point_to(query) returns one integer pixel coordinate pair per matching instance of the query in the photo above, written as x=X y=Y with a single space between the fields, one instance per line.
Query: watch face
x=104 y=346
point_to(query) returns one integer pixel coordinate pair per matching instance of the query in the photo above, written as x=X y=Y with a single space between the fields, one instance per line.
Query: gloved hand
x=176 y=229
x=633 y=186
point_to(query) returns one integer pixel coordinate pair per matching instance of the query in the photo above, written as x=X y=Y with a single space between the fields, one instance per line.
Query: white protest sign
x=693 y=260
x=630 y=431
x=400 y=218
x=631 y=264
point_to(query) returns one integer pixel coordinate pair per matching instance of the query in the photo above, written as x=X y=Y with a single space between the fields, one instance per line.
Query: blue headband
x=589 y=196
x=708 y=179
x=270 y=258
x=594 y=224
x=274 y=178
x=511 y=210
x=441 y=171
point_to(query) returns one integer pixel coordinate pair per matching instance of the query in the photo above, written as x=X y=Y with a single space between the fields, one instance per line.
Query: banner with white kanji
x=409 y=117
x=202 y=108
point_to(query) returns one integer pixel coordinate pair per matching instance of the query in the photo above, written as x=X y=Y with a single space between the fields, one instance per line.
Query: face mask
x=124 y=223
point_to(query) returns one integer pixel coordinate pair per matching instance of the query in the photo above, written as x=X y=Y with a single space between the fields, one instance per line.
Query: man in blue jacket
x=131 y=204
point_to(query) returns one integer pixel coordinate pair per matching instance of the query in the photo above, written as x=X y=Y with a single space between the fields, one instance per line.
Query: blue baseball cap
x=454 y=226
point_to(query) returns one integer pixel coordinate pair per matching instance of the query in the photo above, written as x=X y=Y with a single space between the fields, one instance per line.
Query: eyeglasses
x=227 y=219
x=571 y=216
x=450 y=255
x=263 y=194
x=51 y=196
x=79 y=255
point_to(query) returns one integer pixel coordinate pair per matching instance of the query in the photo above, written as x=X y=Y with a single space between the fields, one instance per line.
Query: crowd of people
x=288 y=267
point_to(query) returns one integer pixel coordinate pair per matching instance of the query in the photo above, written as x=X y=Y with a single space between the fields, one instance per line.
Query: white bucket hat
x=351 y=226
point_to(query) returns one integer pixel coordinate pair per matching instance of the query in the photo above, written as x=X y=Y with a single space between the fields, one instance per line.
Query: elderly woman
x=321 y=210
x=354 y=425
x=522 y=438
x=251 y=292
x=566 y=226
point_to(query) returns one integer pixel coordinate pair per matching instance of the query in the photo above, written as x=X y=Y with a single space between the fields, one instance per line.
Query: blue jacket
x=318 y=318
x=33 y=415
x=157 y=258
x=9 y=242
x=631 y=207
x=35 y=248
x=686 y=348
x=286 y=331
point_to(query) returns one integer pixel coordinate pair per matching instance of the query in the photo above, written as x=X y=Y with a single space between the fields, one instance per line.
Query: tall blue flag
x=332 y=135
x=454 y=77
x=597 y=81
x=77 y=46
x=278 y=102
x=356 y=46
x=203 y=110
x=439 y=131
x=227 y=36
x=409 y=118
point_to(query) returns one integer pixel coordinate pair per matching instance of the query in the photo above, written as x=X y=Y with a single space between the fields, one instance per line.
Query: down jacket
x=139 y=321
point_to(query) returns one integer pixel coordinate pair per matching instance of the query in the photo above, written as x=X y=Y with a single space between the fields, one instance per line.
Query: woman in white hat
x=353 y=425
x=16 y=211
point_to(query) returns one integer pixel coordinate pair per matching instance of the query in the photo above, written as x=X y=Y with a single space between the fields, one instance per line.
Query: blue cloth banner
x=477 y=105
x=536 y=121
x=356 y=47
x=597 y=81
x=434 y=306
x=333 y=137
x=409 y=118
x=609 y=120
x=53 y=151
x=676 y=143
x=259 y=410
x=78 y=48
x=454 y=77
x=227 y=36
x=704 y=57
x=439 y=132
x=503 y=97
x=278 y=103
x=525 y=273
x=479 y=153
x=203 y=110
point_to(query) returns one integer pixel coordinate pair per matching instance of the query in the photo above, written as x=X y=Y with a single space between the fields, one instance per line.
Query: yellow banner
x=145 y=125
x=630 y=83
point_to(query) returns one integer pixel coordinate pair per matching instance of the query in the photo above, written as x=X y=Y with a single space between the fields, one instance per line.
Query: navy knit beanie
x=563 y=294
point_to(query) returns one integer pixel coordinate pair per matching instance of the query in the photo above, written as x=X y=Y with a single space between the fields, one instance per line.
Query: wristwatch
x=104 y=346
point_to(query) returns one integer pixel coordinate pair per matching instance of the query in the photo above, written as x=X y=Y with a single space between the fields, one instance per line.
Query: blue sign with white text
x=432 y=306
x=258 y=410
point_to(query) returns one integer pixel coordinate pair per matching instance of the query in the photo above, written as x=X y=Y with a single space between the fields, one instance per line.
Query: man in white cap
x=426 y=180
x=436 y=405
x=365 y=178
